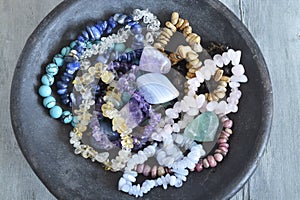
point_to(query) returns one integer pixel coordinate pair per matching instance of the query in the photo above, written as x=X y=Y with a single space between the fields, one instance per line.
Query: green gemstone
x=203 y=128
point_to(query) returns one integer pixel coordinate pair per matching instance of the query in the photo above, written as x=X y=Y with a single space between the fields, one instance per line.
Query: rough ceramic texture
x=44 y=142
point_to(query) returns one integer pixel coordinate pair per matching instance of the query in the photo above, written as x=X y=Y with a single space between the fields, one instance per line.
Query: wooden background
x=276 y=27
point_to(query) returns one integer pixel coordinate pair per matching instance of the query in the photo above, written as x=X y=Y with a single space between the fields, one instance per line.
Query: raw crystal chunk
x=153 y=60
x=203 y=128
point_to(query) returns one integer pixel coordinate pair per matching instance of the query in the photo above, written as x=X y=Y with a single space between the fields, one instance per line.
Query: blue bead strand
x=70 y=55
x=94 y=33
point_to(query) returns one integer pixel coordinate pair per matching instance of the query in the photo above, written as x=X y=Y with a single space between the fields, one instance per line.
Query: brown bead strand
x=172 y=26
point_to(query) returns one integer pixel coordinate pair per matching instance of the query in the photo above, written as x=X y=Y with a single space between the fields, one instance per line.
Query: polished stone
x=203 y=128
x=153 y=60
x=156 y=88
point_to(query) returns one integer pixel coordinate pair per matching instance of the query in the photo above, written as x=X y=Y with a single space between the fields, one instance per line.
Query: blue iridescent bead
x=112 y=23
x=123 y=58
x=45 y=91
x=66 y=117
x=62 y=91
x=128 y=19
x=80 y=38
x=81 y=44
x=70 y=59
x=68 y=75
x=65 y=51
x=109 y=30
x=85 y=35
x=47 y=79
x=52 y=69
x=65 y=101
x=73 y=65
x=64 y=96
x=116 y=16
x=56 y=112
x=100 y=29
x=70 y=71
x=104 y=25
x=65 y=78
x=61 y=85
x=133 y=23
x=96 y=32
x=121 y=19
x=136 y=29
x=49 y=102
x=129 y=58
x=79 y=49
x=58 y=60
x=90 y=32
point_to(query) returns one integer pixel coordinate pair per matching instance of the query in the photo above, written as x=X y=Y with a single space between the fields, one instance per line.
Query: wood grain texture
x=276 y=28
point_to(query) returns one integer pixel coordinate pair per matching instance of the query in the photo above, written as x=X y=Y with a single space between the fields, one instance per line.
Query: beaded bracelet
x=68 y=54
x=116 y=164
x=98 y=71
x=177 y=166
x=183 y=25
x=72 y=56
x=93 y=33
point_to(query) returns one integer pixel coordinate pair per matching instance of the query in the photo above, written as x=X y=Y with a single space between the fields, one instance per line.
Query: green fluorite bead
x=203 y=128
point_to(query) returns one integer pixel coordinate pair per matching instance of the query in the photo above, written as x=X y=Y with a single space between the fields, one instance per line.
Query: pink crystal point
x=153 y=60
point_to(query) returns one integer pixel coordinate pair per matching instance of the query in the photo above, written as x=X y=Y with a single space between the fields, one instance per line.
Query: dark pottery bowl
x=45 y=142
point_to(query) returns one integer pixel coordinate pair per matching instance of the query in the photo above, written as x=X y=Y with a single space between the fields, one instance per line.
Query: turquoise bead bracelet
x=52 y=69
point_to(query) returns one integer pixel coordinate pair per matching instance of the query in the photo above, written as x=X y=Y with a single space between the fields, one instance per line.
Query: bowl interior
x=45 y=142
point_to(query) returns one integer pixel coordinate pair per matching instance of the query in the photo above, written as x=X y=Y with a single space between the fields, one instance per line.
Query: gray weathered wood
x=276 y=28
x=17 y=20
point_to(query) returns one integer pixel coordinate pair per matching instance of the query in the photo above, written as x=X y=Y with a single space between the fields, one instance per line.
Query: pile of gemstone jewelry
x=145 y=99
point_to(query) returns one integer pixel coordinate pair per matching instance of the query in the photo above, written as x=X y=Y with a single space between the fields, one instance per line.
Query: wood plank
x=18 y=19
x=276 y=26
